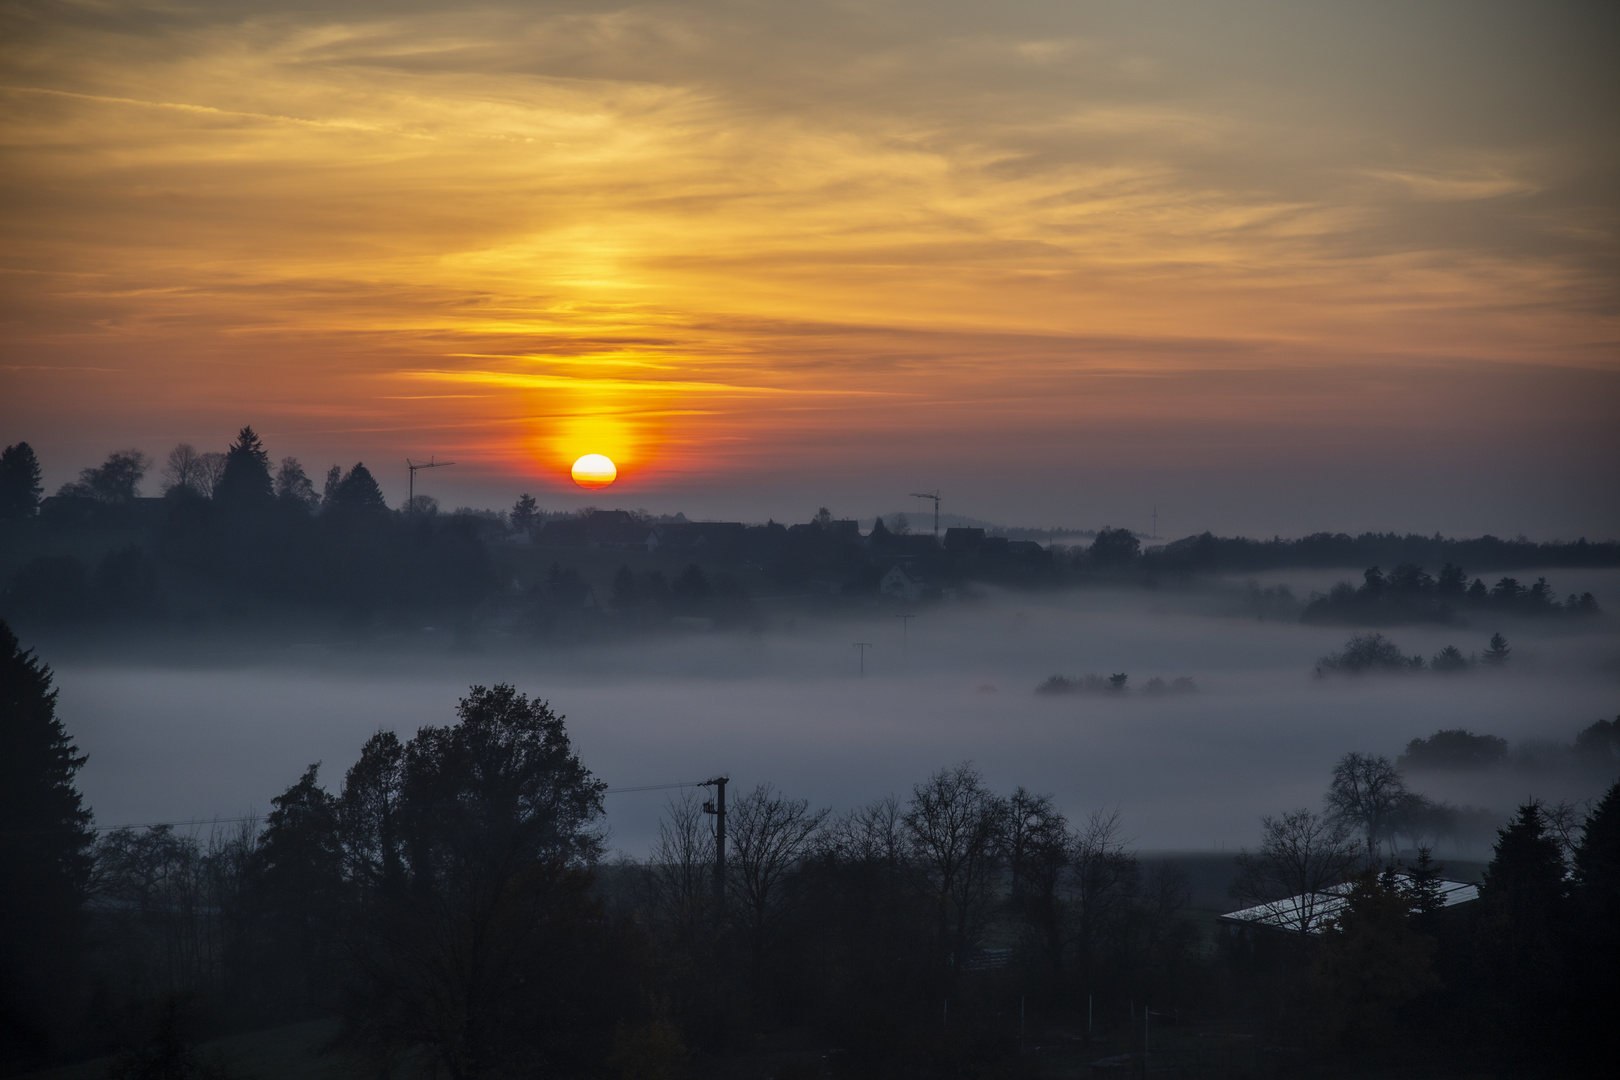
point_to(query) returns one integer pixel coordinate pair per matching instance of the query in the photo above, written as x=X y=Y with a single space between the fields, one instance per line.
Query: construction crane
x=410 y=502
x=930 y=495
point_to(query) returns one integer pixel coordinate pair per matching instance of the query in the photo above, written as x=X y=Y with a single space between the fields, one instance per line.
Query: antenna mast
x=930 y=495
x=410 y=501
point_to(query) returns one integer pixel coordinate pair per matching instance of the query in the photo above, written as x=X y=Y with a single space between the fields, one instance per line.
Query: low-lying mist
x=1195 y=770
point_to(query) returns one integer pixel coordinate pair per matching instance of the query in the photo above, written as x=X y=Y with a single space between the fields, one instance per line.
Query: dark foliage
x=45 y=840
x=1454 y=749
x=20 y=487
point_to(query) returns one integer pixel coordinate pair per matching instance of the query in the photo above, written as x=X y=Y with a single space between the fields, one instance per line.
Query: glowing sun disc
x=594 y=471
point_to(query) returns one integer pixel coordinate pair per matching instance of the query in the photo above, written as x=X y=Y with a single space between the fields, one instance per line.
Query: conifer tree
x=45 y=839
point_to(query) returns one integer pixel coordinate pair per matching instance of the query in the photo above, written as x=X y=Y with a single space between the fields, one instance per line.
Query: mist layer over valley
x=177 y=738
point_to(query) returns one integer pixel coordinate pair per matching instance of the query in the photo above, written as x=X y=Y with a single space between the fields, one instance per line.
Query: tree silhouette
x=1114 y=547
x=293 y=485
x=19 y=481
x=115 y=481
x=1367 y=792
x=246 y=479
x=301 y=886
x=1523 y=920
x=487 y=945
x=45 y=839
x=1497 y=655
x=525 y=513
x=358 y=492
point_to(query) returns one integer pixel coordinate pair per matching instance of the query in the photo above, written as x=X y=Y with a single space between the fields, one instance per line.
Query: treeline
x=1206 y=552
x=1410 y=594
x=231 y=535
x=450 y=901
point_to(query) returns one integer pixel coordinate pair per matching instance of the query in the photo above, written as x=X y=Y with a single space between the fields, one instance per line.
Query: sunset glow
x=728 y=245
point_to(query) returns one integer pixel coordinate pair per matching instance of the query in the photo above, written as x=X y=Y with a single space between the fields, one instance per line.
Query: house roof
x=1315 y=909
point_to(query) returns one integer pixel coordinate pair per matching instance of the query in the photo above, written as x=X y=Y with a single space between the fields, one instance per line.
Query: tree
x=1367 y=652
x=210 y=471
x=769 y=835
x=1035 y=842
x=300 y=877
x=525 y=513
x=45 y=840
x=1449 y=658
x=1454 y=748
x=1114 y=547
x=1369 y=793
x=1371 y=962
x=1452 y=583
x=1102 y=877
x=952 y=822
x=488 y=948
x=901 y=525
x=19 y=482
x=329 y=493
x=293 y=485
x=1523 y=919
x=1497 y=655
x=183 y=471
x=1302 y=855
x=246 y=479
x=1597 y=898
x=358 y=492
x=115 y=481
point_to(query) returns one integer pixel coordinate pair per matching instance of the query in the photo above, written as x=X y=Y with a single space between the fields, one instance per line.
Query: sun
x=594 y=471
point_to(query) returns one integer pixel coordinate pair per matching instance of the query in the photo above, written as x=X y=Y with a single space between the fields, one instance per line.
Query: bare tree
x=952 y=825
x=1035 y=843
x=769 y=835
x=183 y=470
x=1302 y=855
x=681 y=868
x=210 y=470
x=1103 y=876
x=293 y=484
x=1367 y=792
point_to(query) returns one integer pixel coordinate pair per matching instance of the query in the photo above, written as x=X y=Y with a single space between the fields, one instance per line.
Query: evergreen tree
x=1597 y=898
x=247 y=471
x=359 y=491
x=45 y=839
x=1499 y=651
x=525 y=513
x=300 y=884
x=1523 y=920
x=19 y=482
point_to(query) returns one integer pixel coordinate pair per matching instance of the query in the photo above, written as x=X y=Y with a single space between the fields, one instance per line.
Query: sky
x=1263 y=267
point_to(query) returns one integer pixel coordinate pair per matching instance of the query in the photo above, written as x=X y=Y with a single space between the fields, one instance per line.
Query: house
x=903 y=582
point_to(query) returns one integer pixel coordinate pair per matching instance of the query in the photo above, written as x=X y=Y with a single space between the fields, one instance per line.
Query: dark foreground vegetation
x=239 y=538
x=448 y=904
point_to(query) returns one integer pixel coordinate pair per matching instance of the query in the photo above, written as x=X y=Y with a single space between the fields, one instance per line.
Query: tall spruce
x=45 y=839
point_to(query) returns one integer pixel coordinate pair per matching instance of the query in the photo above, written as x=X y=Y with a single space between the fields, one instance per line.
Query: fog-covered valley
x=175 y=737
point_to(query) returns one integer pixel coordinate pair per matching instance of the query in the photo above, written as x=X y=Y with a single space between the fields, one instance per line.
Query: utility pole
x=905 y=627
x=1155 y=523
x=863 y=646
x=935 y=496
x=717 y=807
x=410 y=502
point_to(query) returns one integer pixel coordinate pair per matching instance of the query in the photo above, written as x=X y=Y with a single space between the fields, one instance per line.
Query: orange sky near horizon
x=754 y=251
